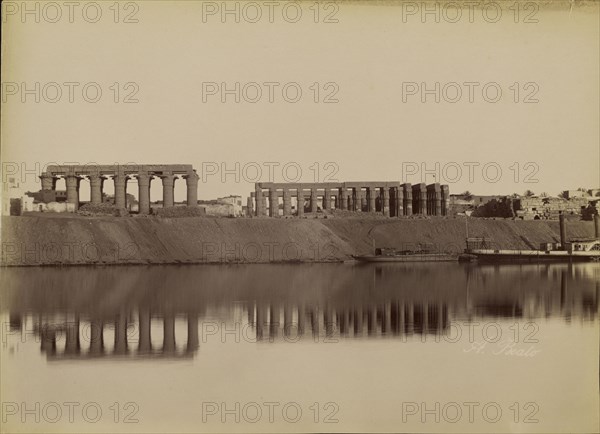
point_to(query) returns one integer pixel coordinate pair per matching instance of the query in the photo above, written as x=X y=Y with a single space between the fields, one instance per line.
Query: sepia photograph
x=300 y=216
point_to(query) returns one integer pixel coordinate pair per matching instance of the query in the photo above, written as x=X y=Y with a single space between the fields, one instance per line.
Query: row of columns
x=120 y=182
x=393 y=201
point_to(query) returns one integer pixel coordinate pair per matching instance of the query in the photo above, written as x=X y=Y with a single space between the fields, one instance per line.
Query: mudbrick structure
x=390 y=199
x=120 y=175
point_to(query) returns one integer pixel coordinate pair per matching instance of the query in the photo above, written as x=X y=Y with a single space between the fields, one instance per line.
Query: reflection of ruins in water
x=141 y=316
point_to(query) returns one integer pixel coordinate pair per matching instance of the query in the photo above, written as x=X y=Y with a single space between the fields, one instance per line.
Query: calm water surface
x=287 y=348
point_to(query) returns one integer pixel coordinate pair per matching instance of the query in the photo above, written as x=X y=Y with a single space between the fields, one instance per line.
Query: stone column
x=120 y=182
x=143 y=193
x=96 y=189
x=386 y=201
x=287 y=202
x=73 y=190
x=399 y=202
x=445 y=199
x=258 y=197
x=168 y=182
x=300 y=204
x=407 y=189
x=125 y=191
x=314 y=202
x=363 y=200
x=249 y=206
x=435 y=199
x=47 y=181
x=326 y=199
x=422 y=198
x=273 y=203
x=263 y=201
x=372 y=197
x=343 y=198
x=192 y=189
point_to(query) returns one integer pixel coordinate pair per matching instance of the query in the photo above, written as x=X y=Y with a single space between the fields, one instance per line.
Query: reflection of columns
x=287 y=202
x=258 y=197
x=48 y=338
x=192 y=337
x=143 y=193
x=121 y=334
x=145 y=339
x=73 y=190
x=287 y=320
x=47 y=181
x=407 y=188
x=410 y=318
x=72 y=345
x=120 y=186
x=96 y=189
x=96 y=337
x=191 y=181
x=168 y=182
x=260 y=321
x=326 y=199
x=314 y=321
x=386 y=201
x=328 y=321
x=273 y=203
x=314 y=203
x=372 y=197
x=301 y=320
x=274 y=315
x=169 y=333
x=300 y=204
x=358 y=322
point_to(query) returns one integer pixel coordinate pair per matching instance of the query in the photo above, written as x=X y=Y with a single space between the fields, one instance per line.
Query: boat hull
x=407 y=258
x=534 y=256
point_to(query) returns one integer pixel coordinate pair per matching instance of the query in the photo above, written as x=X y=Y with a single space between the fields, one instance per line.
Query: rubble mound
x=101 y=209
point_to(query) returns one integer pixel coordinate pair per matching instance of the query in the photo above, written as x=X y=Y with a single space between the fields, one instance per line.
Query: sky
x=369 y=76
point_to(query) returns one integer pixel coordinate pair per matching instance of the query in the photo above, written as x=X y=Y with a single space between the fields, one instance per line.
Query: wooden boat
x=393 y=255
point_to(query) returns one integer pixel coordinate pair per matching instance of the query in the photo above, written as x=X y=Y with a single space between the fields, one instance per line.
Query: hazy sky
x=369 y=56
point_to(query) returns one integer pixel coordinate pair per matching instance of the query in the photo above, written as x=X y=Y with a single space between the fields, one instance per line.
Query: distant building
x=230 y=206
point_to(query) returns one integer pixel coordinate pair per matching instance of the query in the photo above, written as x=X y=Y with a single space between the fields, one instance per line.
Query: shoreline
x=107 y=241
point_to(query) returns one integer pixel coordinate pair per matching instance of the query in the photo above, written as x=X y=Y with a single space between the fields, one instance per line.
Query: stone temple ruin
x=391 y=199
x=121 y=174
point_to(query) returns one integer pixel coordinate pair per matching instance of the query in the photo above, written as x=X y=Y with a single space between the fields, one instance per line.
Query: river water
x=303 y=347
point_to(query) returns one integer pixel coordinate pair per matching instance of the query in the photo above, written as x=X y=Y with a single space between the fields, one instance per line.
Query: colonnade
x=391 y=199
x=97 y=175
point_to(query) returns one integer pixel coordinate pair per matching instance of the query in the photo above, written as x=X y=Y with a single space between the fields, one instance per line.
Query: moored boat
x=393 y=255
